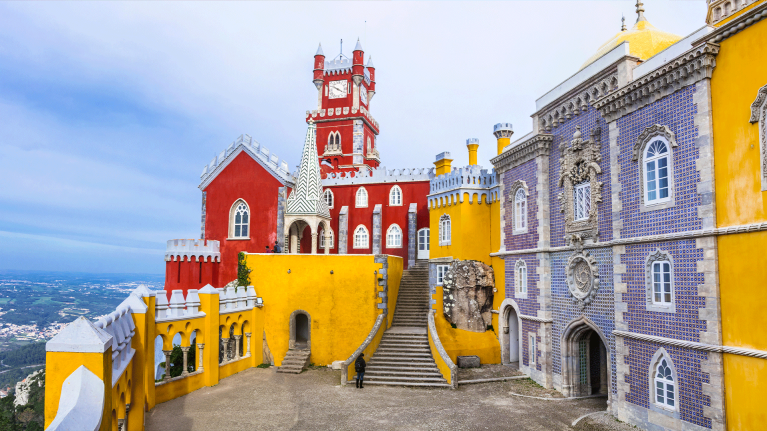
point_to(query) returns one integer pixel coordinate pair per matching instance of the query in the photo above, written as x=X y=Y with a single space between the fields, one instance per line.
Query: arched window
x=664 y=383
x=520 y=210
x=361 y=237
x=334 y=141
x=520 y=277
x=657 y=172
x=659 y=279
x=395 y=196
x=362 y=198
x=444 y=230
x=239 y=220
x=331 y=238
x=394 y=237
x=328 y=196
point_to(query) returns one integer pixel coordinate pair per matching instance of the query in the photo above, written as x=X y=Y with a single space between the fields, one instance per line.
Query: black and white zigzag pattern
x=306 y=198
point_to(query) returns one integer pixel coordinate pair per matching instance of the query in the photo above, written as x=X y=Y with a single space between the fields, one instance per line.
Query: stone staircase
x=403 y=357
x=295 y=361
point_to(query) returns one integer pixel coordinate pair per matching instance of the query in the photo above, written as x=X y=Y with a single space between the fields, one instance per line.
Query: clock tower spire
x=346 y=131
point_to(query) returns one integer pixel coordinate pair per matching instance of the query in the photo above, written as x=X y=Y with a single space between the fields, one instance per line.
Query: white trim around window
x=239 y=220
x=444 y=230
x=332 y=238
x=441 y=272
x=659 y=282
x=657 y=171
x=361 y=237
x=395 y=196
x=361 y=198
x=329 y=197
x=520 y=211
x=394 y=236
x=582 y=201
x=520 y=279
x=663 y=384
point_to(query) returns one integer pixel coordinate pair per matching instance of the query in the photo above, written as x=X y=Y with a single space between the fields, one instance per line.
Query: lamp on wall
x=260 y=301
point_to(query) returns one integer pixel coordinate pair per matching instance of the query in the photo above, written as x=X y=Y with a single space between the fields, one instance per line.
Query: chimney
x=472 y=144
x=503 y=132
x=443 y=163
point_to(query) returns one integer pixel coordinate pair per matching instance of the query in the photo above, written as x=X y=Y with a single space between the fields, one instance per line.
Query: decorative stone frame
x=354 y=238
x=572 y=334
x=518 y=293
x=292 y=327
x=515 y=187
x=440 y=239
x=658 y=256
x=587 y=155
x=507 y=305
x=332 y=198
x=356 y=198
x=401 y=233
x=401 y=196
x=759 y=114
x=654 y=406
x=232 y=211
x=649 y=135
x=582 y=297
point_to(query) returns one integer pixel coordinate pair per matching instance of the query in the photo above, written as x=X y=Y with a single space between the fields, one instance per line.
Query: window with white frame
x=521 y=276
x=330 y=238
x=328 y=196
x=394 y=237
x=240 y=220
x=664 y=384
x=361 y=237
x=582 y=201
x=444 y=230
x=441 y=272
x=362 y=198
x=656 y=172
x=395 y=196
x=531 y=347
x=520 y=210
x=661 y=282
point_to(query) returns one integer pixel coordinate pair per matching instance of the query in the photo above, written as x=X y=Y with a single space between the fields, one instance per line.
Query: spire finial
x=623 y=23
x=342 y=46
x=640 y=11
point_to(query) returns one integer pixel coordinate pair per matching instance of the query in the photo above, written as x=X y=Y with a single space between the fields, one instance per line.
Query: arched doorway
x=512 y=322
x=300 y=330
x=509 y=333
x=584 y=360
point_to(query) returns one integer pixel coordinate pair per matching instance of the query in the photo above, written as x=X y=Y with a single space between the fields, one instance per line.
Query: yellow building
x=739 y=100
x=465 y=220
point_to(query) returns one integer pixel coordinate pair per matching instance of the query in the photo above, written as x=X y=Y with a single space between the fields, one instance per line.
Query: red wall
x=192 y=274
x=246 y=179
x=412 y=192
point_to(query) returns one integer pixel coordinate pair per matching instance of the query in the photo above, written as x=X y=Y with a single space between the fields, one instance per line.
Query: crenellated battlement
x=256 y=150
x=338 y=112
x=378 y=175
x=185 y=249
x=473 y=180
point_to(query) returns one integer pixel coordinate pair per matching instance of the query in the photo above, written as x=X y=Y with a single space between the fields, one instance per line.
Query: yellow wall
x=741 y=69
x=342 y=305
x=395 y=265
x=744 y=395
x=443 y=367
x=369 y=350
x=475 y=233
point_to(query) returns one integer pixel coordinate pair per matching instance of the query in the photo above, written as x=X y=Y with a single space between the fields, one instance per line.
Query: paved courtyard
x=261 y=399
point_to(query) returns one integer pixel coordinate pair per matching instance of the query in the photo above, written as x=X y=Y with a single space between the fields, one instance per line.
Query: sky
x=110 y=110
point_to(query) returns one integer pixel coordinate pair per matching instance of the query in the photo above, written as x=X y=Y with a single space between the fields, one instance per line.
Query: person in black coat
x=359 y=367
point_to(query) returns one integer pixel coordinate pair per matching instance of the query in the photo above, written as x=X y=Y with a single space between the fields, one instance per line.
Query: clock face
x=337 y=89
x=363 y=94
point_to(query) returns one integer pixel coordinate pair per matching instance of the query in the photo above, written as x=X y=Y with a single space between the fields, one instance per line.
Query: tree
x=243 y=273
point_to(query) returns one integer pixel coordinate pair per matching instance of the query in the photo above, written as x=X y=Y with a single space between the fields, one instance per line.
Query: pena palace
x=617 y=250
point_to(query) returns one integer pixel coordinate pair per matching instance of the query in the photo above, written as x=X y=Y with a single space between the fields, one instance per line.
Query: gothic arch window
x=394 y=237
x=334 y=142
x=444 y=230
x=330 y=240
x=518 y=193
x=663 y=381
x=654 y=152
x=520 y=278
x=239 y=220
x=361 y=201
x=361 y=237
x=329 y=198
x=395 y=196
x=659 y=282
x=759 y=114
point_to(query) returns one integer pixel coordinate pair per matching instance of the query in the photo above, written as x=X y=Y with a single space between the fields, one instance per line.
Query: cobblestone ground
x=261 y=399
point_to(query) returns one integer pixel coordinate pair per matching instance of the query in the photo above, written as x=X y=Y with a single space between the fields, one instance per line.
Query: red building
x=244 y=189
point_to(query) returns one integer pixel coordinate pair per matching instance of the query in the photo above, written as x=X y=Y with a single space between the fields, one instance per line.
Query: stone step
x=396 y=344
x=409 y=349
x=404 y=379
x=388 y=383
x=395 y=339
x=407 y=359
x=403 y=365
x=401 y=369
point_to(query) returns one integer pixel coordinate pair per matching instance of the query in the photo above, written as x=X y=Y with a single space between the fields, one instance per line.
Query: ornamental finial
x=640 y=11
x=623 y=23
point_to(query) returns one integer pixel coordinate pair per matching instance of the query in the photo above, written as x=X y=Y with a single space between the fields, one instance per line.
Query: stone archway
x=300 y=330
x=510 y=325
x=585 y=360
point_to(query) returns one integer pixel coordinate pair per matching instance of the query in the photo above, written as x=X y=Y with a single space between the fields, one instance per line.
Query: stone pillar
x=125 y=421
x=343 y=229
x=327 y=240
x=237 y=339
x=200 y=346
x=167 y=364
x=185 y=350
x=377 y=229
x=281 y=218
x=412 y=234
x=225 y=343
x=247 y=340
x=314 y=242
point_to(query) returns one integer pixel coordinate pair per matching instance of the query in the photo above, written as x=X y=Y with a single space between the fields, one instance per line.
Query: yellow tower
x=443 y=163
x=503 y=132
x=472 y=144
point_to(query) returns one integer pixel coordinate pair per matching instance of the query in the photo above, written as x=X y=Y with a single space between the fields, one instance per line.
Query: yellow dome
x=644 y=41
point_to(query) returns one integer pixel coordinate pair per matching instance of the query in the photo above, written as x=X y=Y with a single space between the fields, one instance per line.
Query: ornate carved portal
x=581 y=192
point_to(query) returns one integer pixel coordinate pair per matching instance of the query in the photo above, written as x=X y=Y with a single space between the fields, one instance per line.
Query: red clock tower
x=346 y=131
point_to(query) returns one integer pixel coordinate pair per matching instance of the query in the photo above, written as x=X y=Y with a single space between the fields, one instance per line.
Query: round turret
x=357 y=63
x=372 y=70
x=319 y=68
x=503 y=132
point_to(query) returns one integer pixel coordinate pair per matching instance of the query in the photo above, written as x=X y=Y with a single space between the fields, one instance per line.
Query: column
x=199 y=348
x=125 y=421
x=121 y=425
x=185 y=350
x=314 y=242
x=327 y=240
x=343 y=229
x=247 y=338
x=225 y=346
x=237 y=339
x=377 y=229
x=167 y=364
x=412 y=234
